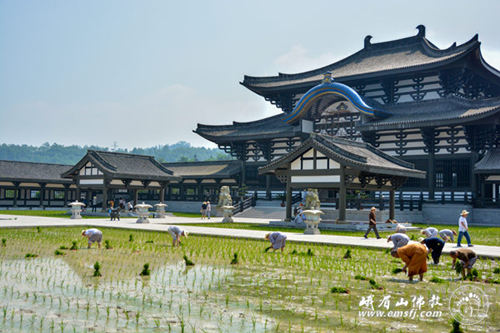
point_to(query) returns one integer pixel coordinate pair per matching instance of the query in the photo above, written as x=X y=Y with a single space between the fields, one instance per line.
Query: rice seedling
x=496 y=270
x=145 y=271
x=375 y=285
x=58 y=253
x=107 y=244
x=187 y=261
x=396 y=270
x=130 y=238
x=234 y=261
x=30 y=255
x=97 y=269
x=360 y=277
x=339 y=290
x=347 y=254
x=74 y=245
x=4 y=242
x=455 y=326
x=436 y=279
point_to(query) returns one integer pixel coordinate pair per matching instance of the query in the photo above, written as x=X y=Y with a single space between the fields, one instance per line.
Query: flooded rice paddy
x=263 y=292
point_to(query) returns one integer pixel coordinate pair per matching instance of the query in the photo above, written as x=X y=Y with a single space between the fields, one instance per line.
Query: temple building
x=438 y=109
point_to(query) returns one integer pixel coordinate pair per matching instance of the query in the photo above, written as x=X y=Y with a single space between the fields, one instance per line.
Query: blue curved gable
x=331 y=88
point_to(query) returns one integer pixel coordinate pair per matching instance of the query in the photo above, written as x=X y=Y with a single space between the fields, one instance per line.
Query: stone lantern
x=312 y=212
x=226 y=204
x=160 y=210
x=143 y=212
x=76 y=209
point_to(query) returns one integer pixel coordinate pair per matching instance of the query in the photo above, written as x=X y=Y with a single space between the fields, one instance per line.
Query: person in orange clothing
x=414 y=255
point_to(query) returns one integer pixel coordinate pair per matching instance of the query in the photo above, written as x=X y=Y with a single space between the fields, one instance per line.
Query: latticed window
x=453 y=173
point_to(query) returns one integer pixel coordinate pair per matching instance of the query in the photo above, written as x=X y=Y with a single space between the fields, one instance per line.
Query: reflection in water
x=47 y=294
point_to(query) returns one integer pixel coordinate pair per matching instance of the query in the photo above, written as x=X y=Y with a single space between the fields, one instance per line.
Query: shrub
x=187 y=261
x=97 y=269
x=339 y=290
x=234 y=261
x=145 y=270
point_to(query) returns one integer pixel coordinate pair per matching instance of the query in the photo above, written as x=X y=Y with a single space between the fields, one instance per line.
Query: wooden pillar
x=162 y=192
x=342 y=195
x=136 y=196
x=392 y=203
x=42 y=194
x=268 y=187
x=288 y=198
x=16 y=193
x=473 y=179
x=168 y=189
x=431 y=175
x=243 y=178
x=66 y=186
x=200 y=190
x=104 y=197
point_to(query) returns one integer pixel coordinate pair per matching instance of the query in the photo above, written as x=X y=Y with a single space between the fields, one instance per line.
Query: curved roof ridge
x=236 y=123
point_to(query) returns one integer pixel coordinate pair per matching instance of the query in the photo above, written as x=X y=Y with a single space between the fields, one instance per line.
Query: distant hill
x=179 y=152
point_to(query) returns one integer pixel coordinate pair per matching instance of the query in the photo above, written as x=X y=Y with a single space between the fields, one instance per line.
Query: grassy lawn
x=49 y=213
x=181 y=214
x=288 y=291
x=479 y=235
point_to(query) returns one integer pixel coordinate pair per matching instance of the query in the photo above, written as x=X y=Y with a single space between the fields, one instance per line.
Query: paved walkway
x=161 y=225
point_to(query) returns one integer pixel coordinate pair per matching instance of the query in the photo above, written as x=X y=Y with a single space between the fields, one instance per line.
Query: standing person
x=447 y=234
x=176 y=234
x=203 y=210
x=398 y=239
x=209 y=209
x=463 y=229
x=414 y=255
x=94 y=203
x=435 y=245
x=299 y=216
x=93 y=235
x=277 y=239
x=467 y=257
x=372 y=223
x=429 y=232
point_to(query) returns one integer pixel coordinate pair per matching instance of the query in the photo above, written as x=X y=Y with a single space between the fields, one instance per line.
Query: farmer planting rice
x=399 y=240
x=430 y=232
x=467 y=258
x=435 y=245
x=93 y=235
x=447 y=235
x=277 y=240
x=176 y=234
x=414 y=255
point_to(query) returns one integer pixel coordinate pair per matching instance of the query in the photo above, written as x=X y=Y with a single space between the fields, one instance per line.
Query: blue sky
x=143 y=73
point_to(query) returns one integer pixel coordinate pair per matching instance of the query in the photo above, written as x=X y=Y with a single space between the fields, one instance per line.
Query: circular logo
x=469 y=305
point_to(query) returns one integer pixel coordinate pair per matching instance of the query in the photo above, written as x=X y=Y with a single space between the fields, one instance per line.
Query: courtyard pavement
x=161 y=225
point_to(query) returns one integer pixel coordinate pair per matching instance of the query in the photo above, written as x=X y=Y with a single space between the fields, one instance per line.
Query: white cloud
x=299 y=59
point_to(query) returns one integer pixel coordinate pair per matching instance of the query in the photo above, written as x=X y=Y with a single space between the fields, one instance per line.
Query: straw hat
x=185 y=233
x=267 y=236
x=373 y=208
x=464 y=212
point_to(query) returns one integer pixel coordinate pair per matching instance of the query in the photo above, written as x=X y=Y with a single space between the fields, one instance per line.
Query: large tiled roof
x=32 y=171
x=391 y=57
x=205 y=169
x=125 y=165
x=267 y=128
x=354 y=154
x=445 y=111
x=490 y=163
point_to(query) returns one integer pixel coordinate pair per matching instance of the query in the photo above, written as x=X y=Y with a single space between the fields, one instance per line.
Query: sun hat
x=185 y=233
x=267 y=235
x=464 y=212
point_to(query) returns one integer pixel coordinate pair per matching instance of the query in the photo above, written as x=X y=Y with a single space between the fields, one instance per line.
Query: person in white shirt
x=398 y=239
x=176 y=234
x=430 y=232
x=209 y=209
x=447 y=235
x=93 y=235
x=463 y=229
